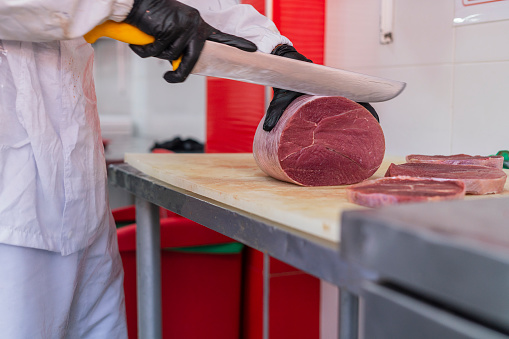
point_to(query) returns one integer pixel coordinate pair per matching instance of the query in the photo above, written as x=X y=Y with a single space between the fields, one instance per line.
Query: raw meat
x=477 y=179
x=321 y=141
x=458 y=159
x=395 y=190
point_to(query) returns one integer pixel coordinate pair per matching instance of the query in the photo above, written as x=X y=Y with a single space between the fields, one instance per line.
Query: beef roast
x=321 y=141
x=477 y=179
x=394 y=190
x=458 y=159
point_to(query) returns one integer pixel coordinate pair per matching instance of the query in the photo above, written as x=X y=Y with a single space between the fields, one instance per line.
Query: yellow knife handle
x=123 y=32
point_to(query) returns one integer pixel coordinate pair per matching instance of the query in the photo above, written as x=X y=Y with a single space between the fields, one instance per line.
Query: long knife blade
x=222 y=61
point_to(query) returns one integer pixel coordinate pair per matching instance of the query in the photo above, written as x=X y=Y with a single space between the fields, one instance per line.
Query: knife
x=223 y=61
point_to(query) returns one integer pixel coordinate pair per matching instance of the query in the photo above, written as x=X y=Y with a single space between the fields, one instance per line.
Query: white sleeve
x=240 y=20
x=46 y=20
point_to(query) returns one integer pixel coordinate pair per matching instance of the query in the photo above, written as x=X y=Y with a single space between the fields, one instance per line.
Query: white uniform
x=57 y=240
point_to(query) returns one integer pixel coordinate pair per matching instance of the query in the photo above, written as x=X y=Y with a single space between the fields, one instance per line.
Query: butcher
x=61 y=274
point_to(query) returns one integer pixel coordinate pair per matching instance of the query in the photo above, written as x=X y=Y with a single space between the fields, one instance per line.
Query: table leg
x=266 y=294
x=348 y=315
x=148 y=266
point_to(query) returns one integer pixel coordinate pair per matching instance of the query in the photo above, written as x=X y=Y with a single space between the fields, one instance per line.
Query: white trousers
x=46 y=295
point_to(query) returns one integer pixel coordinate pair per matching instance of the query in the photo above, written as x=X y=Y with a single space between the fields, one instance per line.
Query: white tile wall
x=422 y=33
x=418 y=120
x=164 y=110
x=482 y=42
x=481 y=113
x=129 y=86
x=457 y=77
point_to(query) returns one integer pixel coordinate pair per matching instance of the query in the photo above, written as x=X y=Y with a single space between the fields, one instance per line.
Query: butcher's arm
x=240 y=20
x=177 y=29
x=47 y=20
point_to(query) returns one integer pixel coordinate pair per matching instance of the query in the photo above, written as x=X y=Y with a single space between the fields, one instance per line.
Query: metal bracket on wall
x=386 y=21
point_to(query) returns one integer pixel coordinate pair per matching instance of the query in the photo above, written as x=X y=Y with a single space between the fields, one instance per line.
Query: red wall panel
x=303 y=22
x=234 y=110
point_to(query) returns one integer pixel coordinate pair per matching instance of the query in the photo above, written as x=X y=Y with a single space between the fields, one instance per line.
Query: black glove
x=283 y=98
x=178 y=30
x=370 y=109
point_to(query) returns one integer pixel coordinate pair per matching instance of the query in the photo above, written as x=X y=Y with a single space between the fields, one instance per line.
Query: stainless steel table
x=311 y=254
x=433 y=270
x=439 y=270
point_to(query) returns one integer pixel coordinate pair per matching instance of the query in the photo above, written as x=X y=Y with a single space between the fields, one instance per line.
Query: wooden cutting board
x=236 y=180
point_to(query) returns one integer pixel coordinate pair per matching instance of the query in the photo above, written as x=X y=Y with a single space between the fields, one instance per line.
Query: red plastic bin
x=201 y=290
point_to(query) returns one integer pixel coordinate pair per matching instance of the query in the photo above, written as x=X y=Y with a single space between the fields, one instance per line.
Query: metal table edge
x=435 y=266
x=305 y=252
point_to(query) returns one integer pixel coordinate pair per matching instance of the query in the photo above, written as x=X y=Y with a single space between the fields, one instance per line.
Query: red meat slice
x=477 y=179
x=458 y=159
x=395 y=190
x=321 y=141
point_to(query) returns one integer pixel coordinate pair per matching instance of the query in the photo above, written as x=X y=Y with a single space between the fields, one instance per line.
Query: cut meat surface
x=459 y=159
x=395 y=190
x=321 y=141
x=477 y=179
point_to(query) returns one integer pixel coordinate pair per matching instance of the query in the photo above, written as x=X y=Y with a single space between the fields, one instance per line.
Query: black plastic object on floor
x=178 y=145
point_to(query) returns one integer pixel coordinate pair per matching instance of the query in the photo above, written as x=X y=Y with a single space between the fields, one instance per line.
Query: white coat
x=56 y=231
x=53 y=177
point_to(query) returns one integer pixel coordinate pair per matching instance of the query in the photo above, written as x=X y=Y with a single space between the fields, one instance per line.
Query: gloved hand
x=178 y=30
x=370 y=109
x=283 y=98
